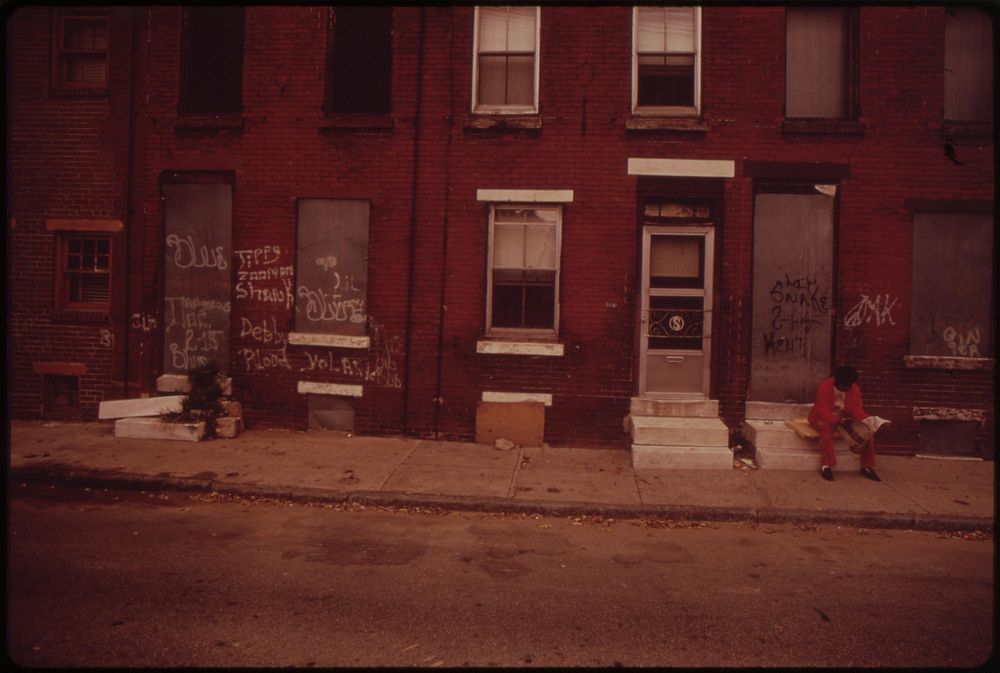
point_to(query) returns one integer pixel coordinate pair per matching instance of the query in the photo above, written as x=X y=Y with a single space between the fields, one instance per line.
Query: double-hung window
x=523 y=270
x=83 y=272
x=80 y=51
x=666 y=60
x=505 y=68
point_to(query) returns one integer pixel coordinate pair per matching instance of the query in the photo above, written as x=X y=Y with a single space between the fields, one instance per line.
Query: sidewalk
x=331 y=466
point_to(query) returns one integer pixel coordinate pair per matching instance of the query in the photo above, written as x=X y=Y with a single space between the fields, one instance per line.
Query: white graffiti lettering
x=877 y=308
x=321 y=306
x=188 y=255
x=964 y=343
x=263 y=256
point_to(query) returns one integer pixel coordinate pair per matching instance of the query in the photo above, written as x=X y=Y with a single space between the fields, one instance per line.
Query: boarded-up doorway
x=792 y=294
x=197 y=276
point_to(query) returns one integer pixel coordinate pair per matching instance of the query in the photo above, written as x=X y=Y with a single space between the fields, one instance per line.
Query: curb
x=95 y=478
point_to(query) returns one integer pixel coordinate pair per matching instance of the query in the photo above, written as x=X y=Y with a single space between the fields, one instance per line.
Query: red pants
x=826 y=453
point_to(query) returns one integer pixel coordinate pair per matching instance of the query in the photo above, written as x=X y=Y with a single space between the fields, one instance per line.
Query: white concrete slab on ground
x=156 y=428
x=139 y=407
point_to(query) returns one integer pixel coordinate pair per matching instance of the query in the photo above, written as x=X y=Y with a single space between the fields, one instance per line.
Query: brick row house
x=388 y=219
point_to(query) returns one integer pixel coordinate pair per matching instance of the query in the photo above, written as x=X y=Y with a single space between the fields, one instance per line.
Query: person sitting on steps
x=838 y=401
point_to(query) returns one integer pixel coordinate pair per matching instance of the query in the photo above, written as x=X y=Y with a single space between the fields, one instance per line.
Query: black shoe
x=826 y=473
x=870 y=473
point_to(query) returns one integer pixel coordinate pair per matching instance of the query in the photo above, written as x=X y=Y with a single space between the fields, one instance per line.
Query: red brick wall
x=281 y=154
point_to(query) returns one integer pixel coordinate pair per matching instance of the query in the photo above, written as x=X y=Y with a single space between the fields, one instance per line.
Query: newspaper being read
x=858 y=432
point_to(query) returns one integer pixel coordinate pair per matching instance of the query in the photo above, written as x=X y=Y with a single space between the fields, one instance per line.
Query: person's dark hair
x=844 y=376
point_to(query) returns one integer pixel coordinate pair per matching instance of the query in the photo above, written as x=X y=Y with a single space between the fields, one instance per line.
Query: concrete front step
x=777 y=435
x=770 y=458
x=157 y=428
x=651 y=406
x=681 y=457
x=679 y=431
x=776 y=411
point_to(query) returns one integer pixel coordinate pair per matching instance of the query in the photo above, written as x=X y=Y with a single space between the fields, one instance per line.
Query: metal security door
x=676 y=319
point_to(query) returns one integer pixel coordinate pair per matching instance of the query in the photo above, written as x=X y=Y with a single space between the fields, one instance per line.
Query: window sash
x=505 y=60
x=81 y=47
x=666 y=60
x=523 y=270
x=84 y=272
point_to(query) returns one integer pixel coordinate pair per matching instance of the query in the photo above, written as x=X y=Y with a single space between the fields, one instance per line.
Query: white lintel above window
x=525 y=195
x=341 y=389
x=682 y=168
x=498 y=347
x=330 y=340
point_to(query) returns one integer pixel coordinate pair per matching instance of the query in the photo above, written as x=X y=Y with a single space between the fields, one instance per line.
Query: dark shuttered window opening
x=212 y=60
x=359 y=60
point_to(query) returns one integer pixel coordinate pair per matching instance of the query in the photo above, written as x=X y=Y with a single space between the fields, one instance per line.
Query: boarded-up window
x=359 y=68
x=817 y=62
x=952 y=285
x=968 y=65
x=332 y=267
x=212 y=59
x=197 y=276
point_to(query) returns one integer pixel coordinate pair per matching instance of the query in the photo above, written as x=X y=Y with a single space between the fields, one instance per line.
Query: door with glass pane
x=676 y=319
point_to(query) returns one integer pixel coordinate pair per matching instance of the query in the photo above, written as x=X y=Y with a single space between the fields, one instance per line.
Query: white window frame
x=505 y=109
x=666 y=110
x=524 y=332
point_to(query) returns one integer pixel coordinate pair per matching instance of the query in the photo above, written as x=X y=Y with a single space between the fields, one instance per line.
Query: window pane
x=539 y=306
x=492 y=80
x=507 y=305
x=520 y=80
x=85 y=34
x=540 y=250
x=521 y=29
x=508 y=246
x=651 y=33
x=666 y=80
x=816 y=62
x=492 y=29
x=968 y=84
x=680 y=29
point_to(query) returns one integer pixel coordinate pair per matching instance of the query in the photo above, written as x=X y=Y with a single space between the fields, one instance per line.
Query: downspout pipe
x=129 y=196
x=411 y=270
x=442 y=304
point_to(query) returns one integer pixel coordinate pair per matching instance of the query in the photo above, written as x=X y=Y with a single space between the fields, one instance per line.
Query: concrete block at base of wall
x=157 y=428
x=681 y=457
x=139 y=407
x=521 y=422
x=227 y=427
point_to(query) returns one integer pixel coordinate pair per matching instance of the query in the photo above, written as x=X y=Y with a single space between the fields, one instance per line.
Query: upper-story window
x=359 y=60
x=212 y=60
x=666 y=60
x=968 y=65
x=505 y=67
x=80 y=51
x=820 y=62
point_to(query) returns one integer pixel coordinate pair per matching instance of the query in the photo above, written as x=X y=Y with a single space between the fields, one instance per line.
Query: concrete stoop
x=778 y=447
x=680 y=443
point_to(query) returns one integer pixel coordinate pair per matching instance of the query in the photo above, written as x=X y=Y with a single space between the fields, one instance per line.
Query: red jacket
x=826 y=395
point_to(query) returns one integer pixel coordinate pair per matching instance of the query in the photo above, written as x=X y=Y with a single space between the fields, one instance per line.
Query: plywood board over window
x=212 y=60
x=331 y=267
x=968 y=67
x=819 y=62
x=359 y=60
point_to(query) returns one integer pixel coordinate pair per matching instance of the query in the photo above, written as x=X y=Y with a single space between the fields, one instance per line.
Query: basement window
x=60 y=393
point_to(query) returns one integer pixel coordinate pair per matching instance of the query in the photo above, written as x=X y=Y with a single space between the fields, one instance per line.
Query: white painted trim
x=666 y=111
x=343 y=389
x=682 y=168
x=525 y=195
x=519 y=348
x=332 y=340
x=544 y=398
x=505 y=109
